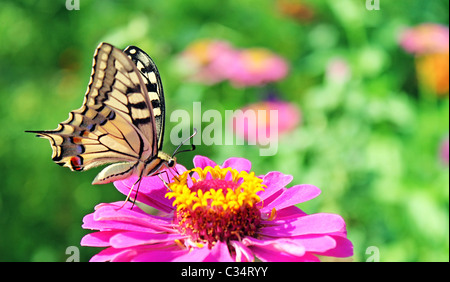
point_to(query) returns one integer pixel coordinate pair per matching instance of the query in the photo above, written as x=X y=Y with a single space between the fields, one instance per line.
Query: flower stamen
x=216 y=204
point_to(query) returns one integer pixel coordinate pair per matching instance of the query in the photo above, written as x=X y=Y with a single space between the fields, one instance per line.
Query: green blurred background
x=370 y=144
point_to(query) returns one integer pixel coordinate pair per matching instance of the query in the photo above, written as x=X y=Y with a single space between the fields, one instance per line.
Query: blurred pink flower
x=256 y=66
x=256 y=119
x=338 y=70
x=444 y=151
x=425 y=38
x=212 y=61
x=204 y=60
x=216 y=213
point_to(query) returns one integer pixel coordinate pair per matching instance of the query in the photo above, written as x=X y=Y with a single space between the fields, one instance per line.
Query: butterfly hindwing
x=152 y=81
x=90 y=138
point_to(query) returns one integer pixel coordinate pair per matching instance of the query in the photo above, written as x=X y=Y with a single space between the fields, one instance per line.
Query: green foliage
x=370 y=144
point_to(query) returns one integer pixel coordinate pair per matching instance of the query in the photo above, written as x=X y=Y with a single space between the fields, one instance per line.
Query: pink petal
x=109 y=254
x=274 y=181
x=240 y=164
x=319 y=223
x=282 y=245
x=91 y=222
x=344 y=248
x=292 y=196
x=202 y=162
x=268 y=255
x=159 y=255
x=289 y=212
x=151 y=192
x=130 y=239
x=98 y=239
x=194 y=255
x=282 y=250
x=111 y=216
x=316 y=243
x=219 y=253
x=140 y=254
x=243 y=253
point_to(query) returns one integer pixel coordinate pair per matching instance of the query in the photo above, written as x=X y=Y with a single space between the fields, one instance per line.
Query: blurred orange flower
x=433 y=72
x=430 y=43
x=296 y=10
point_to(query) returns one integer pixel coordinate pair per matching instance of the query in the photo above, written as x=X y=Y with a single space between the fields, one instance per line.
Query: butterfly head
x=169 y=161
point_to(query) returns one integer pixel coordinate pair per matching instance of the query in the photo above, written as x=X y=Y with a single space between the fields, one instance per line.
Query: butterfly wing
x=117 y=83
x=152 y=81
x=115 y=123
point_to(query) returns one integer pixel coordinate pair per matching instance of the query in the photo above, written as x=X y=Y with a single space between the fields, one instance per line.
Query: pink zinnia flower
x=256 y=66
x=251 y=126
x=425 y=39
x=216 y=213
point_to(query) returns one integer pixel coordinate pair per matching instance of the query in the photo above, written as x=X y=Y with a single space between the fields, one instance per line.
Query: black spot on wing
x=152 y=87
x=131 y=90
x=156 y=104
x=57 y=159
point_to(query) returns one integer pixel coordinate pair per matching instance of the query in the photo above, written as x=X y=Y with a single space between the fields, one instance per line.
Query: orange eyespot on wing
x=76 y=162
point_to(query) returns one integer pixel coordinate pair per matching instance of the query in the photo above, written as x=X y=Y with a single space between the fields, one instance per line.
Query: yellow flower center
x=257 y=59
x=218 y=205
x=201 y=51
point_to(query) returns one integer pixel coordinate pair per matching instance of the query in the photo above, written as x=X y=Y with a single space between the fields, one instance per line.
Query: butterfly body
x=121 y=121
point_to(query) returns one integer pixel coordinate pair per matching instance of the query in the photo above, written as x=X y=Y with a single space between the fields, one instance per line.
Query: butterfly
x=121 y=121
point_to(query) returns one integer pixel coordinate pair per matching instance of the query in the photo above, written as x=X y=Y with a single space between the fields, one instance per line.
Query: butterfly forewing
x=116 y=83
x=121 y=120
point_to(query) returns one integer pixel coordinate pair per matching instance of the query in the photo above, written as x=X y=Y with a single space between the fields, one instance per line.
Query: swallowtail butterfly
x=121 y=122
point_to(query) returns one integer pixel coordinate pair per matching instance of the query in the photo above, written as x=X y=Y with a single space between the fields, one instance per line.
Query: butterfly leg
x=129 y=193
x=167 y=175
x=177 y=173
x=165 y=183
x=137 y=190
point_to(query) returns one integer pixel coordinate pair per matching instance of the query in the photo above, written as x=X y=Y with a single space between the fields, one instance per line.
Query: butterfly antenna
x=187 y=139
